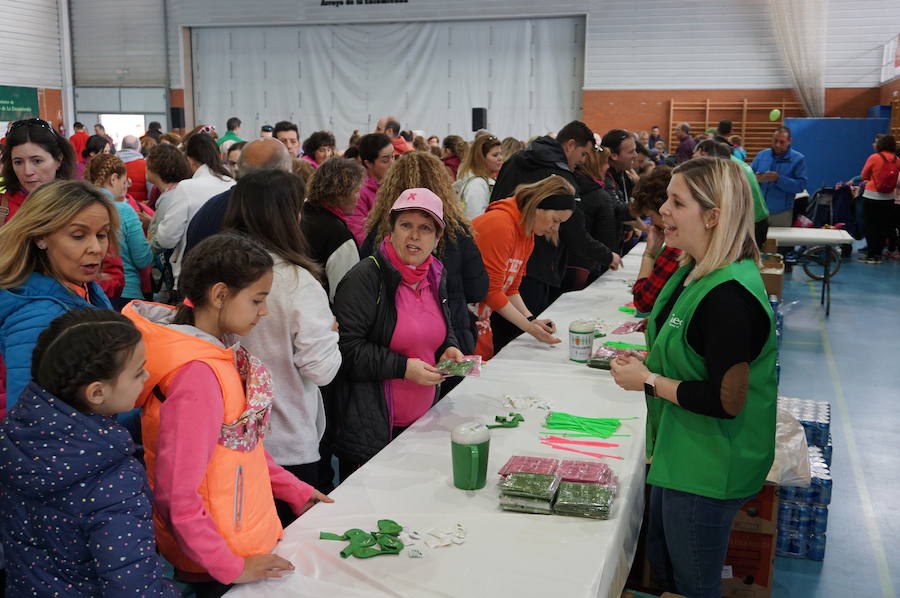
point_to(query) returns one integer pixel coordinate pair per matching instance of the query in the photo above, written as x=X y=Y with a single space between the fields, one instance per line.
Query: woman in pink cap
x=394 y=327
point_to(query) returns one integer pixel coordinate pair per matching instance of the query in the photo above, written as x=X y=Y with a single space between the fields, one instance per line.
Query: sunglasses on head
x=29 y=122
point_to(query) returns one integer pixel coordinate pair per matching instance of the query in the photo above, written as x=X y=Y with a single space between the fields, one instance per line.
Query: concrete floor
x=852 y=360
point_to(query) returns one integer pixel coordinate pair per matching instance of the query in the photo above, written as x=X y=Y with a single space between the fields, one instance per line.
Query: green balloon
x=774 y=115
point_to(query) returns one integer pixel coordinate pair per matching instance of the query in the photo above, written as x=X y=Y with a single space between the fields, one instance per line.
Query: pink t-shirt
x=420 y=332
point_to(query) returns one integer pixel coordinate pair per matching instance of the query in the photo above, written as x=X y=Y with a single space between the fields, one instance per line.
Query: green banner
x=18 y=102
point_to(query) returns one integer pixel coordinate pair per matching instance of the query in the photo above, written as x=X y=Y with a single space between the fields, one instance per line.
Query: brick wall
x=640 y=109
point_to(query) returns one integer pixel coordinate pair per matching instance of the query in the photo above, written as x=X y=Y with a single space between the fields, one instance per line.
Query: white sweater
x=297 y=345
x=475 y=193
x=184 y=201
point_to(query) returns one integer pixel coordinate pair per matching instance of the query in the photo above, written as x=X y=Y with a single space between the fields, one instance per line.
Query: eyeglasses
x=28 y=122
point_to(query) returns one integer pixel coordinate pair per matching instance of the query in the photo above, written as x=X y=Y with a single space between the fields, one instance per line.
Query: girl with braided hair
x=108 y=172
x=206 y=407
x=71 y=490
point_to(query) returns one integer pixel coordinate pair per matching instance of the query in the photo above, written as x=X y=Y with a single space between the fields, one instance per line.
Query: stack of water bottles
x=803 y=512
x=814 y=416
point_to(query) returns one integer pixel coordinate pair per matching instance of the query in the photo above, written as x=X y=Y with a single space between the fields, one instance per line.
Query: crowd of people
x=281 y=304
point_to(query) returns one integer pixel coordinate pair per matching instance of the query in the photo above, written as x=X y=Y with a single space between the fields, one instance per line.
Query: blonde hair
x=473 y=163
x=411 y=171
x=47 y=210
x=529 y=196
x=718 y=183
x=510 y=145
x=103 y=166
x=303 y=169
x=594 y=162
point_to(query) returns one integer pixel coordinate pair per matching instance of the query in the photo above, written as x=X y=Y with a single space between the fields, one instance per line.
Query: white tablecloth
x=505 y=554
x=792 y=235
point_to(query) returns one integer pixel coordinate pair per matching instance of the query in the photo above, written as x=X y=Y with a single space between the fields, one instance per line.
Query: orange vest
x=236 y=491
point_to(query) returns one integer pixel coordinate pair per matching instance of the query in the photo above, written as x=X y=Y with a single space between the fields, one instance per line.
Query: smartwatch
x=650 y=385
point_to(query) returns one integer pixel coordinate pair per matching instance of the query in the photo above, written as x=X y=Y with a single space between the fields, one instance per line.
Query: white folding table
x=505 y=554
x=814 y=236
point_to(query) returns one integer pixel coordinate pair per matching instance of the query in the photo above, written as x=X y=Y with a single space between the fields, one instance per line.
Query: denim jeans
x=687 y=538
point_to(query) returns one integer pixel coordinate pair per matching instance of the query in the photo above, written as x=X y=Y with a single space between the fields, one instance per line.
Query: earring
x=42 y=246
x=218 y=306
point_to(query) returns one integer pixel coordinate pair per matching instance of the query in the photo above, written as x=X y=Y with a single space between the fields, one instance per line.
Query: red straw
x=561 y=440
x=571 y=450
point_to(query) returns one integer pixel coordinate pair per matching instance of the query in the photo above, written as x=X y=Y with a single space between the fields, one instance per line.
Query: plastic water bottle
x=804 y=519
x=816 y=547
x=820 y=519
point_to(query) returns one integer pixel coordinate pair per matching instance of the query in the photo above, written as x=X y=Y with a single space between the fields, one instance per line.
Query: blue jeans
x=687 y=538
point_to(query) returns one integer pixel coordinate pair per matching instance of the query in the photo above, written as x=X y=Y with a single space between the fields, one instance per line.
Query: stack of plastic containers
x=803 y=512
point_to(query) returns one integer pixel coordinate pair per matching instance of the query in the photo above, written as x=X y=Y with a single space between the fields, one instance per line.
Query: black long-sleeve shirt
x=728 y=330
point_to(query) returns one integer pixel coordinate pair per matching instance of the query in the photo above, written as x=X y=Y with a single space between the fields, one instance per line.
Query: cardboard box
x=772 y=272
x=770 y=246
x=751 y=559
x=759 y=515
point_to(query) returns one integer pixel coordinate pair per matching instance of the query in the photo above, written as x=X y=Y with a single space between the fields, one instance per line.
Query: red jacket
x=401 y=146
x=12 y=202
x=78 y=141
x=137 y=172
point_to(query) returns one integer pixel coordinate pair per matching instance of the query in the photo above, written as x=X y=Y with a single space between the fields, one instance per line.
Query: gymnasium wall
x=665 y=48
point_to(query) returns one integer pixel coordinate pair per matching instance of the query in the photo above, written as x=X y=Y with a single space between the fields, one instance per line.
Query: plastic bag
x=469 y=366
x=791 y=465
x=521 y=464
x=530 y=485
x=583 y=500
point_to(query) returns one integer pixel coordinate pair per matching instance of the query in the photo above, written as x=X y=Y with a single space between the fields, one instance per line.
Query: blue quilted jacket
x=25 y=311
x=75 y=507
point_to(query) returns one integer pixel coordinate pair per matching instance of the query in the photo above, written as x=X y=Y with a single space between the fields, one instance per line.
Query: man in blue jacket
x=781 y=173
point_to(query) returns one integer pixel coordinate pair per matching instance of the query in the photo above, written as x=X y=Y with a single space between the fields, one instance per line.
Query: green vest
x=760 y=209
x=709 y=456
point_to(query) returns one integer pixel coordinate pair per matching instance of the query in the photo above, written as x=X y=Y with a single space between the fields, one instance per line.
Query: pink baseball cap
x=421 y=199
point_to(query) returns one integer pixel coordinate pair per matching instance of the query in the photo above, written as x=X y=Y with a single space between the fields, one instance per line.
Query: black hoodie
x=548 y=263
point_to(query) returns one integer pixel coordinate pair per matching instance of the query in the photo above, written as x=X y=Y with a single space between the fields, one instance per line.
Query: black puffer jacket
x=467 y=282
x=365 y=308
x=603 y=214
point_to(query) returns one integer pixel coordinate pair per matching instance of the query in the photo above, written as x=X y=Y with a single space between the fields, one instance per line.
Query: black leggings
x=879 y=215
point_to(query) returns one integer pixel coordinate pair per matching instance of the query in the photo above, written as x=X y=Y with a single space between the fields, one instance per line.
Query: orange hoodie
x=505 y=249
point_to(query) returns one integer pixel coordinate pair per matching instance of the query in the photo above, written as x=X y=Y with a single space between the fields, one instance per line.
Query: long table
x=504 y=554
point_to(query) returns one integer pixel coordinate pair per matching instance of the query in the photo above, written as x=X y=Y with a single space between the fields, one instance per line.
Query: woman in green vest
x=709 y=378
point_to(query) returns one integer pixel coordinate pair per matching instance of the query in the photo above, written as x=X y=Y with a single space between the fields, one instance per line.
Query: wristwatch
x=650 y=385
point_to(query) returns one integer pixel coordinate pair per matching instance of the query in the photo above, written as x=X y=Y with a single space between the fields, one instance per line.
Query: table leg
x=826 y=282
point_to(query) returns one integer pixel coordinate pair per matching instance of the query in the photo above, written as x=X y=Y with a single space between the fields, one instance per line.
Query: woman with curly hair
x=659 y=261
x=467 y=281
x=318 y=147
x=332 y=194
